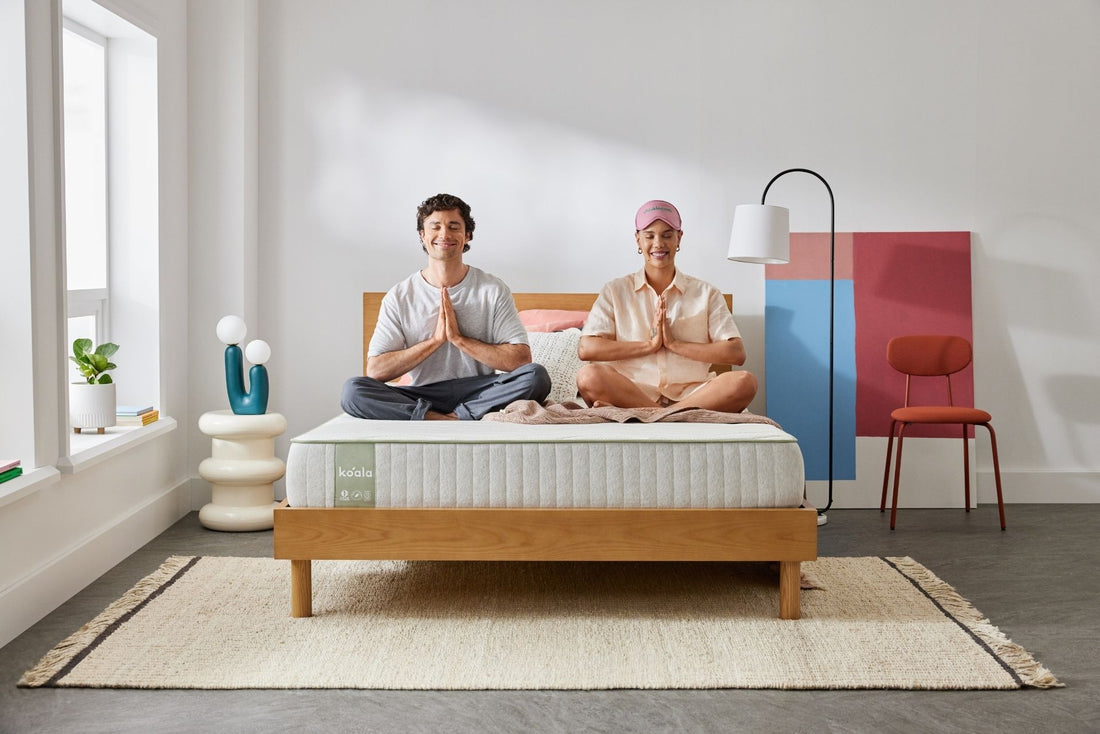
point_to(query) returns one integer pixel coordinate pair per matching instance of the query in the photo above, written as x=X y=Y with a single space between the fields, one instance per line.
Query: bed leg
x=301 y=589
x=790 y=590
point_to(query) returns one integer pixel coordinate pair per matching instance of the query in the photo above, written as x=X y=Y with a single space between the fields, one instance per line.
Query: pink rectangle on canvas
x=908 y=283
x=810 y=258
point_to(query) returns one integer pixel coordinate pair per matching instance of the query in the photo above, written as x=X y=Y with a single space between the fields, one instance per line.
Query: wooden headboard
x=564 y=301
x=372 y=301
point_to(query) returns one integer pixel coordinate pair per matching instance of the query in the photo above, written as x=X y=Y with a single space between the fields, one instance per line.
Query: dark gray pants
x=469 y=398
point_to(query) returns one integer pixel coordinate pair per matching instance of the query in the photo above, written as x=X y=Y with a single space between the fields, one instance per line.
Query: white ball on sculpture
x=231 y=330
x=258 y=351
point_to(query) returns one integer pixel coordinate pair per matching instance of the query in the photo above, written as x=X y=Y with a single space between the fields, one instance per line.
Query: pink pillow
x=552 y=319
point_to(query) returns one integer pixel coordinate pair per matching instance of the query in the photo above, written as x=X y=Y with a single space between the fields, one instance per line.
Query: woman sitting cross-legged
x=652 y=336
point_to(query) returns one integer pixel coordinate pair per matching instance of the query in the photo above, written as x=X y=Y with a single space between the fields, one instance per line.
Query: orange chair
x=934 y=356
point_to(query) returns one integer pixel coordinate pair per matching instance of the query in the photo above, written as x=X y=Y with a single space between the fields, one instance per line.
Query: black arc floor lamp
x=762 y=234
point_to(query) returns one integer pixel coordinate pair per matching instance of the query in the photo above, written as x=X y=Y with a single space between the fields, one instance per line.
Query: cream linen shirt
x=696 y=311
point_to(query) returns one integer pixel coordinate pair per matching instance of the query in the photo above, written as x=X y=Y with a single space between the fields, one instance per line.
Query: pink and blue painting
x=887 y=284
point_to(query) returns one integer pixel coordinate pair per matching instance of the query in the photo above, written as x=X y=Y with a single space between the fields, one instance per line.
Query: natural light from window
x=85 y=160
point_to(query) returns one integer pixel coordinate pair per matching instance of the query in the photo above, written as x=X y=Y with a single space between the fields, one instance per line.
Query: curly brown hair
x=443 y=203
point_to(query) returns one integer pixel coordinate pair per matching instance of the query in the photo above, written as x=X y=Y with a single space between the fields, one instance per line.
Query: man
x=450 y=327
x=652 y=335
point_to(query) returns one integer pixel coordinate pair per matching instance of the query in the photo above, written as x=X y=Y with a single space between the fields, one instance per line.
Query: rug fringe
x=1030 y=671
x=57 y=658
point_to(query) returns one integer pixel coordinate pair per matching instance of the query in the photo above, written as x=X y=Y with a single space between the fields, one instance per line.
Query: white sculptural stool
x=242 y=468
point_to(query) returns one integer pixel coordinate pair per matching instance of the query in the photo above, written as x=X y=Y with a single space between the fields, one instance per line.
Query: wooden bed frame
x=303 y=534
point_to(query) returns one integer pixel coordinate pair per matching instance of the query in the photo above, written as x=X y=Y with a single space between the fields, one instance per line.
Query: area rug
x=218 y=623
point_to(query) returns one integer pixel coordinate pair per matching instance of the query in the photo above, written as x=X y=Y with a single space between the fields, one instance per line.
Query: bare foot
x=431 y=415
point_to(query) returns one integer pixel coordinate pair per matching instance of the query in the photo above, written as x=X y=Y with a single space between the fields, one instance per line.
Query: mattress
x=350 y=462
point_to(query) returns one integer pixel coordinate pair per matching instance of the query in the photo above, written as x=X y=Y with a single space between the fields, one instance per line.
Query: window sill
x=88 y=449
x=28 y=483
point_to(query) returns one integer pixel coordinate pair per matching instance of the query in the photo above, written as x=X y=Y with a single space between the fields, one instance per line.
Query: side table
x=242 y=468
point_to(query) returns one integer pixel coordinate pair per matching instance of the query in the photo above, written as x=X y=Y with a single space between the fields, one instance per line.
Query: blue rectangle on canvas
x=796 y=337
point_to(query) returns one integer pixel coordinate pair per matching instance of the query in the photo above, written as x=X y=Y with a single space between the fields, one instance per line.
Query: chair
x=934 y=356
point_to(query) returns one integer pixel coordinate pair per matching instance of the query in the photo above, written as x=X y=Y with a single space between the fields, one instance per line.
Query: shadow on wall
x=1035 y=315
x=1042 y=298
x=1077 y=399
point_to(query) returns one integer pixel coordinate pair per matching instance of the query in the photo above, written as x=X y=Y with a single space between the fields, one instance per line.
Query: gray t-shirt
x=485 y=311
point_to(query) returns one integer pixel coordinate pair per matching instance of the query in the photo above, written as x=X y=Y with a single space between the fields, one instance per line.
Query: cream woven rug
x=210 y=622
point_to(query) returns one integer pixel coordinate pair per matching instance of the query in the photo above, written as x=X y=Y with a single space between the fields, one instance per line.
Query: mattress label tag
x=354 y=475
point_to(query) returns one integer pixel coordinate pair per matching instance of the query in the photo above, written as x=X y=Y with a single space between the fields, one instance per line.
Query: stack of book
x=9 y=469
x=135 y=415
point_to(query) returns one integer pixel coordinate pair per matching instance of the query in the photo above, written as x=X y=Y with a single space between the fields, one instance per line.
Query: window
x=107 y=212
x=84 y=54
x=111 y=204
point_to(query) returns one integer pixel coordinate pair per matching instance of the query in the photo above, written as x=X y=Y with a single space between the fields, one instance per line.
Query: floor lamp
x=762 y=234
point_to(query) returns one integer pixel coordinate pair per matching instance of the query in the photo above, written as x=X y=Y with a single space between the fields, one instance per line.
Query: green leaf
x=92 y=364
x=84 y=367
x=106 y=350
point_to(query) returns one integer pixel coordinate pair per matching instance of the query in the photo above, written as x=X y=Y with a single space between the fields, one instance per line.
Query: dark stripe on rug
x=982 y=643
x=110 y=629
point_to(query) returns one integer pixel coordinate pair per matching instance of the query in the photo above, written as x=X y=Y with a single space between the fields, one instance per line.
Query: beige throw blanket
x=531 y=412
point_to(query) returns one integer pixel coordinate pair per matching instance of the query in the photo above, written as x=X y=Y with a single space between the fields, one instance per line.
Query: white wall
x=1037 y=307
x=57 y=539
x=554 y=122
x=223 y=271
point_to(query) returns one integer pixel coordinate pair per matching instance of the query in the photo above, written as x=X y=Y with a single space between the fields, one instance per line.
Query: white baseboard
x=1055 y=487
x=53 y=583
x=932 y=476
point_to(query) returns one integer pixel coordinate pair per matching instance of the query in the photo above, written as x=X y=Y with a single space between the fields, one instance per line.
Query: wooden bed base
x=304 y=534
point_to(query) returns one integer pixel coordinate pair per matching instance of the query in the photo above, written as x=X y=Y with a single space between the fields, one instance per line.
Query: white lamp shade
x=258 y=351
x=761 y=234
x=231 y=330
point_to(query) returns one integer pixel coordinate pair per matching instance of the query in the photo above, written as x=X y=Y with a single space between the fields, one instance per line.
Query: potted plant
x=92 y=400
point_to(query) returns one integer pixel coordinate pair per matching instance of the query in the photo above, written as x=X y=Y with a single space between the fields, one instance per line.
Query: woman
x=652 y=335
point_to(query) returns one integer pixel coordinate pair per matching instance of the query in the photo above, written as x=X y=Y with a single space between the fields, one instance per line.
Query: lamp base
x=822 y=519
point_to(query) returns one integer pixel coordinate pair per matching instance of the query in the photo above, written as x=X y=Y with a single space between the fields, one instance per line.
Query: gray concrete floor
x=1037 y=581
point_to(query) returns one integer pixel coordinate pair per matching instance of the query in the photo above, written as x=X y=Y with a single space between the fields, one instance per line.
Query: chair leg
x=997 y=474
x=886 y=471
x=966 y=469
x=897 y=477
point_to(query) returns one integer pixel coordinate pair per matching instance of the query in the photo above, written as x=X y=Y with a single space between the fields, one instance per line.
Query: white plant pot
x=91 y=406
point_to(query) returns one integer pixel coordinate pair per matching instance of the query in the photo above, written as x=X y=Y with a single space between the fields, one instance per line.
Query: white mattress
x=353 y=462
